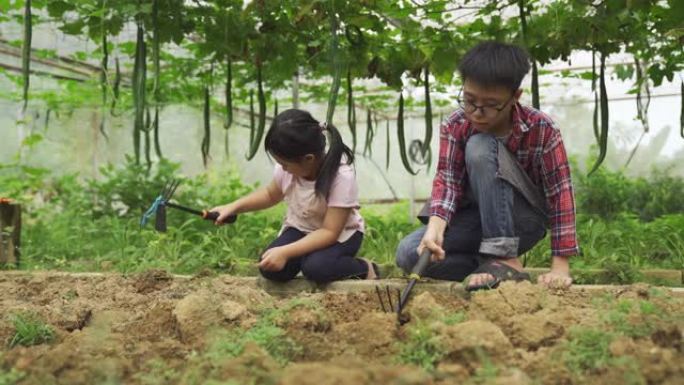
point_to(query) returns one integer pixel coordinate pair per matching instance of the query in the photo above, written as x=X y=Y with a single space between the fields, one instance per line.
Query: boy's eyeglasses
x=487 y=111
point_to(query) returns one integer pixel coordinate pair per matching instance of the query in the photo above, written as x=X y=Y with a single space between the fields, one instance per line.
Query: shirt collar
x=519 y=125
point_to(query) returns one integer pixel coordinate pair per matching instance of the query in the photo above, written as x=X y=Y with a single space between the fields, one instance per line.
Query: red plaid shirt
x=538 y=146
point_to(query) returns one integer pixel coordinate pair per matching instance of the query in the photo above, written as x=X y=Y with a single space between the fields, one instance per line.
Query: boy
x=502 y=178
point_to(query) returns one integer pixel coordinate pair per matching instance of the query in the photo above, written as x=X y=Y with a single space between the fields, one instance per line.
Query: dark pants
x=330 y=264
x=499 y=217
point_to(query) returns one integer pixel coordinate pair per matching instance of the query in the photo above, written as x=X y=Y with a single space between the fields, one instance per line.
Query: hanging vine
x=47 y=119
x=387 y=148
x=336 y=65
x=206 y=139
x=116 y=86
x=104 y=86
x=401 y=138
x=367 y=149
x=139 y=79
x=146 y=130
x=351 y=110
x=681 y=114
x=603 y=137
x=157 y=74
x=595 y=121
x=252 y=118
x=229 y=101
x=26 y=53
x=427 y=140
x=535 y=73
x=255 y=138
x=642 y=88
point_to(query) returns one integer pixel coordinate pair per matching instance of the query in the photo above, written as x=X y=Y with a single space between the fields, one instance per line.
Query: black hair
x=295 y=133
x=492 y=63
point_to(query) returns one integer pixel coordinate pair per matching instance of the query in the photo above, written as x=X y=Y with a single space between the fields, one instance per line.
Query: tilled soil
x=154 y=329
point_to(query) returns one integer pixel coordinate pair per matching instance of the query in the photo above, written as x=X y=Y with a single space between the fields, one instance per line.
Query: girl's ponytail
x=332 y=159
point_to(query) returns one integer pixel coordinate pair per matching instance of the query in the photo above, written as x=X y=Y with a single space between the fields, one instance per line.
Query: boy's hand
x=224 y=212
x=434 y=238
x=559 y=276
x=274 y=259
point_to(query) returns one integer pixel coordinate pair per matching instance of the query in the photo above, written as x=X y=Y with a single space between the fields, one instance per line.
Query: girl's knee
x=315 y=269
x=280 y=276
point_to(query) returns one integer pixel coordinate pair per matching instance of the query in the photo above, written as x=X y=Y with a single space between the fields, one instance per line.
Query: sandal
x=500 y=271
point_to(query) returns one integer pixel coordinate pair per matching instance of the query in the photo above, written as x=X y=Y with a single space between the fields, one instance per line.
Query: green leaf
x=73 y=28
x=32 y=140
x=58 y=8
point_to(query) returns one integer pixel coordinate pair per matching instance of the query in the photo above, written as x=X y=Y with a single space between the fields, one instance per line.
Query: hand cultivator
x=402 y=299
x=158 y=209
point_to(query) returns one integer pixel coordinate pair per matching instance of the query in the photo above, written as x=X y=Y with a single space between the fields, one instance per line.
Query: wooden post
x=10 y=232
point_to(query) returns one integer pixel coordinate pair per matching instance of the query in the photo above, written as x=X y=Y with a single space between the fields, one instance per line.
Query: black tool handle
x=208 y=215
x=213 y=215
x=423 y=261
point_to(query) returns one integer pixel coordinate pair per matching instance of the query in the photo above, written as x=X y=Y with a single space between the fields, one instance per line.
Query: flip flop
x=500 y=271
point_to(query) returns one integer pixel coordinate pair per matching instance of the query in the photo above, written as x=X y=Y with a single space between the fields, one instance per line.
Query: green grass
x=487 y=372
x=30 y=330
x=265 y=333
x=587 y=351
x=633 y=318
x=72 y=224
x=11 y=377
x=452 y=318
x=421 y=347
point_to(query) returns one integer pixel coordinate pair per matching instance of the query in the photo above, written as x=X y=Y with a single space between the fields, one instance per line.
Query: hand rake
x=402 y=299
x=158 y=209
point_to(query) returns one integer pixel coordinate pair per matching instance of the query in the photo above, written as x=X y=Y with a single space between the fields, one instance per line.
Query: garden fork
x=158 y=208
x=402 y=299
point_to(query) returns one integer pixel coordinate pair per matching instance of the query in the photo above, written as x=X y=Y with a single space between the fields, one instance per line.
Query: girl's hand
x=274 y=259
x=224 y=212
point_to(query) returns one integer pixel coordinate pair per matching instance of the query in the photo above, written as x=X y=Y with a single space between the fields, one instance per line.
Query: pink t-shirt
x=306 y=210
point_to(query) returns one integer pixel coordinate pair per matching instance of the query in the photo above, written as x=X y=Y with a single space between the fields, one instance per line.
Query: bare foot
x=555 y=280
x=482 y=278
x=371 y=270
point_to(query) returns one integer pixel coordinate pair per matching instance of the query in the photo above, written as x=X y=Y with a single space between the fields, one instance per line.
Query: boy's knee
x=479 y=149
x=406 y=254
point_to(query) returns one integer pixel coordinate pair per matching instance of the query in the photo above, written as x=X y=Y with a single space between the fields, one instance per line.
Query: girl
x=323 y=229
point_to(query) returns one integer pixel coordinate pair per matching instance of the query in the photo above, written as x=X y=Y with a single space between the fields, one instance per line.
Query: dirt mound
x=372 y=335
x=200 y=311
x=352 y=372
x=151 y=280
x=472 y=341
x=152 y=329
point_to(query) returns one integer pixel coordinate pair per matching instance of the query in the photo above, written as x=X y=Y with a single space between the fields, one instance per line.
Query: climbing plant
x=254 y=48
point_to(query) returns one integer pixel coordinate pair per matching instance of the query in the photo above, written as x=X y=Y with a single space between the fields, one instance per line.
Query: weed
x=156 y=372
x=587 y=349
x=30 y=330
x=422 y=348
x=11 y=377
x=487 y=372
x=452 y=318
x=633 y=318
x=264 y=333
